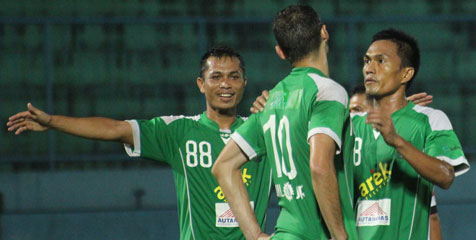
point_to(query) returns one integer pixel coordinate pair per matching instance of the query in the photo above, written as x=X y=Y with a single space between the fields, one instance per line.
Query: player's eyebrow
x=235 y=72
x=378 y=55
x=228 y=73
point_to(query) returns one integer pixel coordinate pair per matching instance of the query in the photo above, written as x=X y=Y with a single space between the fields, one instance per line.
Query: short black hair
x=358 y=89
x=220 y=51
x=407 y=48
x=297 y=30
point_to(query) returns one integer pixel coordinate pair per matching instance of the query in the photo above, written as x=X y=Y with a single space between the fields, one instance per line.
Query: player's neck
x=392 y=102
x=315 y=60
x=224 y=118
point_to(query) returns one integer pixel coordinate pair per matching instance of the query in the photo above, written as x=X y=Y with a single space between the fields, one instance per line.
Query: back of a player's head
x=407 y=48
x=297 y=30
x=220 y=51
x=358 y=89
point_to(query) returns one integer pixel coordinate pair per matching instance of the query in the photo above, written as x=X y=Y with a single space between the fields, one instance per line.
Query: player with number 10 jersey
x=305 y=103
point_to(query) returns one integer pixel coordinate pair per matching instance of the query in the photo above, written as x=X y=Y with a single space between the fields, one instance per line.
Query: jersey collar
x=305 y=70
x=213 y=125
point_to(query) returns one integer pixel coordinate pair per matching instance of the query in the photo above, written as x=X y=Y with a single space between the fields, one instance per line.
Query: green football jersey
x=392 y=199
x=305 y=103
x=190 y=145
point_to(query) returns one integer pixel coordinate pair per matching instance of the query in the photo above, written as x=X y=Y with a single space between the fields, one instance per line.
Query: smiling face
x=223 y=84
x=383 y=74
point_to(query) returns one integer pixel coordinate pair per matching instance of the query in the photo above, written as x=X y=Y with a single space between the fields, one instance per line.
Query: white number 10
x=283 y=126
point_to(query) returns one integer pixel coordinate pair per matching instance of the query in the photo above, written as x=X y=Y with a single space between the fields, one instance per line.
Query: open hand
x=31 y=120
x=260 y=102
x=422 y=99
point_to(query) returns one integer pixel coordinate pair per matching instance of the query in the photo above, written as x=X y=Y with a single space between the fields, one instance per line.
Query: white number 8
x=205 y=150
x=357 y=149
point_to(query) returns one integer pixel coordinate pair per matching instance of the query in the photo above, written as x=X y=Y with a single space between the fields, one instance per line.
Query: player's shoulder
x=358 y=118
x=176 y=119
x=357 y=115
x=435 y=118
x=328 y=89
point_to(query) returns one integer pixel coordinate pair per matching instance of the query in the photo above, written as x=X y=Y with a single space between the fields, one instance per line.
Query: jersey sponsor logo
x=374 y=212
x=288 y=192
x=224 y=215
x=376 y=181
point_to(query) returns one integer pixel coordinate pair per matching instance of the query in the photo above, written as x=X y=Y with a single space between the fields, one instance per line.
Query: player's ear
x=280 y=52
x=200 y=84
x=407 y=73
x=324 y=33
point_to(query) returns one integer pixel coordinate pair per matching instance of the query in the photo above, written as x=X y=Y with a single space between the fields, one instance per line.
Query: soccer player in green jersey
x=400 y=150
x=190 y=145
x=299 y=131
x=358 y=102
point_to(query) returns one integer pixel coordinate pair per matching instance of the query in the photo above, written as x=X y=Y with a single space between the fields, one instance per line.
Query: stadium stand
x=139 y=59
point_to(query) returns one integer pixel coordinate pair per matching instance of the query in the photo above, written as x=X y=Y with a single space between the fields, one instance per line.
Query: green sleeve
x=152 y=139
x=328 y=118
x=249 y=137
x=444 y=145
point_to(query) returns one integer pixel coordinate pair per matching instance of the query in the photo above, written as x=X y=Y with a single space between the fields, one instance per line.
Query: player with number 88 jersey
x=190 y=145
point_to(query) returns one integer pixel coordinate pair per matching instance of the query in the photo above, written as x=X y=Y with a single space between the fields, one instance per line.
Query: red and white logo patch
x=373 y=212
x=224 y=215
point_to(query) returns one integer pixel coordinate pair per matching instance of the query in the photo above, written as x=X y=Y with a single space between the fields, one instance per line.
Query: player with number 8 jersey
x=397 y=151
x=392 y=198
x=305 y=103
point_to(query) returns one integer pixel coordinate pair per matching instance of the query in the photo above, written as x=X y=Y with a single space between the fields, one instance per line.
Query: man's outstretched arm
x=98 y=128
x=227 y=171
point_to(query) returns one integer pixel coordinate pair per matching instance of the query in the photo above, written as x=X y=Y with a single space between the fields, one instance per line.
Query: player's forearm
x=93 y=127
x=436 y=171
x=237 y=197
x=324 y=182
x=227 y=171
x=326 y=191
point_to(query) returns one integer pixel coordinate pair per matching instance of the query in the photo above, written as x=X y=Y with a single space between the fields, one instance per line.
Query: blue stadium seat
x=437 y=66
x=468 y=6
x=349 y=7
x=34 y=37
x=93 y=36
x=431 y=36
x=399 y=8
x=11 y=8
x=60 y=37
x=140 y=36
x=89 y=67
x=465 y=65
